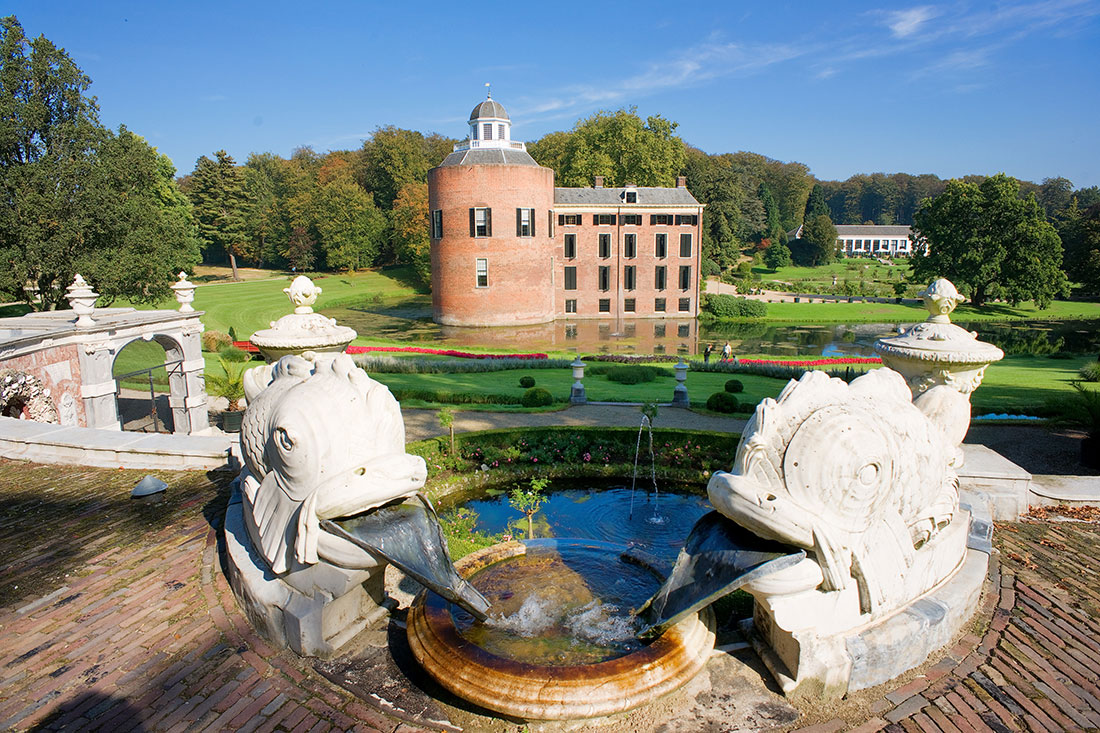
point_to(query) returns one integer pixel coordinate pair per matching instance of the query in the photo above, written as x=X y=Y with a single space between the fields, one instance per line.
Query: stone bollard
x=680 y=394
x=577 y=396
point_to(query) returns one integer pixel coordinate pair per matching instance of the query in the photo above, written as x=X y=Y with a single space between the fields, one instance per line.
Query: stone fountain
x=840 y=516
x=303 y=330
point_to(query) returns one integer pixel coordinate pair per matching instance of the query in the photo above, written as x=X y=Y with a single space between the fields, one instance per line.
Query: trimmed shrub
x=722 y=402
x=527 y=381
x=233 y=354
x=729 y=306
x=537 y=397
x=631 y=374
x=1090 y=372
x=734 y=385
x=215 y=341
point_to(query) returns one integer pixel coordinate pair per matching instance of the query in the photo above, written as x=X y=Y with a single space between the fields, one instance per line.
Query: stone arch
x=25 y=396
x=171 y=361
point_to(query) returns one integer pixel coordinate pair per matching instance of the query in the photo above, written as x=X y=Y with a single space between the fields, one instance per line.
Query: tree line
x=79 y=197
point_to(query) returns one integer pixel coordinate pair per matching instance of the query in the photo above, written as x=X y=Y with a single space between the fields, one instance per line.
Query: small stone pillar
x=941 y=362
x=680 y=394
x=185 y=293
x=577 y=396
x=82 y=299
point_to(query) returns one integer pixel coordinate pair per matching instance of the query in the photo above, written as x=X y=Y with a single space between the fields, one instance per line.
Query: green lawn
x=1025 y=384
x=797 y=313
x=597 y=388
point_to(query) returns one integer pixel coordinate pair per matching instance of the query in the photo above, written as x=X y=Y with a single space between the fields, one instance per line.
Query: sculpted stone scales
x=320 y=440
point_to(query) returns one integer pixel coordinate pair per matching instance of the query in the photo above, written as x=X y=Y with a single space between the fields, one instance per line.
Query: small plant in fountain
x=649 y=409
x=529 y=500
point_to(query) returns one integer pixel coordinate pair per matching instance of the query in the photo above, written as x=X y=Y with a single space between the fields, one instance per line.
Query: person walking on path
x=727 y=351
x=707 y=352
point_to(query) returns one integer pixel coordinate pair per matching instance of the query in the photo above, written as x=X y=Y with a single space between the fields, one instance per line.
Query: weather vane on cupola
x=488 y=91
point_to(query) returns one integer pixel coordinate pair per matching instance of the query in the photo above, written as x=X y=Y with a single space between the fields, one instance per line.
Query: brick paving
x=115 y=615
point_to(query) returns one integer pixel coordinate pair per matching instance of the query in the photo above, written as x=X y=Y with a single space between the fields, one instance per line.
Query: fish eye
x=284 y=439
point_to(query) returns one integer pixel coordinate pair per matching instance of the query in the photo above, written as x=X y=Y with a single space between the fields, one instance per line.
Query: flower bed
x=250 y=347
x=814 y=362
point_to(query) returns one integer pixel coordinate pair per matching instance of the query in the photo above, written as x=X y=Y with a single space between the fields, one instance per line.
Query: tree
x=75 y=197
x=1080 y=233
x=818 y=243
x=619 y=146
x=815 y=204
x=300 y=250
x=221 y=207
x=351 y=228
x=776 y=256
x=447 y=420
x=990 y=242
x=529 y=500
x=409 y=227
x=774 y=224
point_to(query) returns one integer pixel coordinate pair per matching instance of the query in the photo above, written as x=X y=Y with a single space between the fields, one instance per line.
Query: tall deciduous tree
x=409 y=227
x=1080 y=233
x=990 y=242
x=351 y=228
x=221 y=207
x=73 y=195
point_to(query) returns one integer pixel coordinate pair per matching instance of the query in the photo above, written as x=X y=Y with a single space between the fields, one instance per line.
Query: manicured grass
x=1026 y=384
x=799 y=313
x=873 y=271
x=597 y=388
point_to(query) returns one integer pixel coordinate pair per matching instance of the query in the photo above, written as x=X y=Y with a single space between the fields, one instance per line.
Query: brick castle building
x=509 y=249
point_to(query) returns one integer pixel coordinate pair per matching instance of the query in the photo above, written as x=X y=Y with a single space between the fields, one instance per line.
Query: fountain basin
x=546 y=691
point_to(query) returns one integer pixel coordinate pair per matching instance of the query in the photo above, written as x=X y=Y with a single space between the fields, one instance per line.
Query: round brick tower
x=491 y=237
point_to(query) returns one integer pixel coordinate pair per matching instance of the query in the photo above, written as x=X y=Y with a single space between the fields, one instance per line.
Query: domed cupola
x=490 y=126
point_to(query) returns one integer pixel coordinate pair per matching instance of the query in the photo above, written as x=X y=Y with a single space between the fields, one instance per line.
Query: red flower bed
x=815 y=362
x=249 y=346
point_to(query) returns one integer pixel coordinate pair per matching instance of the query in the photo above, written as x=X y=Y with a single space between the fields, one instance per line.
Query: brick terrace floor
x=115 y=615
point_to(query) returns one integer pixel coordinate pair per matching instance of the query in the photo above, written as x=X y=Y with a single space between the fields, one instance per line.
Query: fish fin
x=833 y=559
x=309 y=531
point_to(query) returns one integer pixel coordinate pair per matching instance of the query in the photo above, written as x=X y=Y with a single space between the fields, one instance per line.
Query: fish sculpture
x=320 y=440
x=855 y=474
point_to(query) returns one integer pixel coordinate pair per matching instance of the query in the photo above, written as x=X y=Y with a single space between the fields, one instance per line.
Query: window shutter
x=532 y=222
x=488 y=222
x=561 y=220
x=519 y=222
x=473 y=229
x=612 y=220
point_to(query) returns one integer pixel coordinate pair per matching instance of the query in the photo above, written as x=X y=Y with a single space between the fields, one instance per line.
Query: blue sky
x=844 y=87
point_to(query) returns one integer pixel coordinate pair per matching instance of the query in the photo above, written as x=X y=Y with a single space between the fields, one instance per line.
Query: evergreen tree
x=217 y=193
x=815 y=204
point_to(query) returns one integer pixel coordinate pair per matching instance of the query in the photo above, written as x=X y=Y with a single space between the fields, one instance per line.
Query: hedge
x=729 y=306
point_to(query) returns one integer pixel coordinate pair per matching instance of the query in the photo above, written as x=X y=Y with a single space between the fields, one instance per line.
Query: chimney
x=599 y=181
x=681 y=181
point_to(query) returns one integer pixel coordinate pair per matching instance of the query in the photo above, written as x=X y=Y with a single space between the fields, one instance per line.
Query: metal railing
x=169 y=367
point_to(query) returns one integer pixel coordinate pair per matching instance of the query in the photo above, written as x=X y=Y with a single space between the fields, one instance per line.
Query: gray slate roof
x=489 y=108
x=868 y=230
x=489 y=156
x=614 y=196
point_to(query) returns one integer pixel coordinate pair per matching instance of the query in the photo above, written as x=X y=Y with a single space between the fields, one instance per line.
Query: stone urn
x=303 y=330
x=942 y=363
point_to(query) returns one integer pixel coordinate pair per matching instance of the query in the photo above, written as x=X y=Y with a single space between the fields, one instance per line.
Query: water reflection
x=412 y=323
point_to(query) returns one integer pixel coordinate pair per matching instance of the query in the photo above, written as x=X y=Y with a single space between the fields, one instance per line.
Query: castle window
x=605 y=245
x=550 y=224
x=437 y=224
x=685 y=305
x=661 y=219
x=605 y=305
x=569 y=220
x=605 y=278
x=685 y=245
x=632 y=220
x=525 y=222
x=571 y=306
x=660 y=276
x=660 y=246
x=570 y=246
x=630 y=277
x=659 y=307
x=630 y=245
x=603 y=219
x=487 y=131
x=632 y=197
x=687 y=219
x=570 y=278
x=628 y=305
x=685 y=277
x=482 y=270
x=481 y=222
x=500 y=132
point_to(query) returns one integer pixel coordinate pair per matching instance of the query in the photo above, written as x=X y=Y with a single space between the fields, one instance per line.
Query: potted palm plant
x=230 y=385
x=1082 y=410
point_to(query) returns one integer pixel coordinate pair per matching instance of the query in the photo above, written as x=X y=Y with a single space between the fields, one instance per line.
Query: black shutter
x=612 y=220
x=561 y=220
x=473 y=230
x=488 y=222
x=595 y=218
x=519 y=222
x=532 y=222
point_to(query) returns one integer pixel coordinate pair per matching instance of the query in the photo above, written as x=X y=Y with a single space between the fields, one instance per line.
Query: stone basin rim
x=529 y=691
